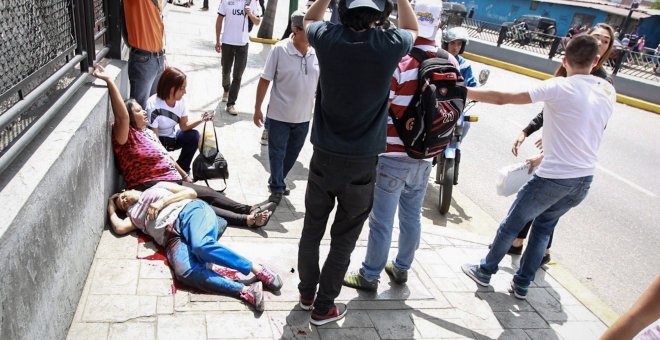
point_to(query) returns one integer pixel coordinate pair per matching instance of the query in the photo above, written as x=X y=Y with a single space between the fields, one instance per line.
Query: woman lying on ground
x=143 y=161
x=189 y=229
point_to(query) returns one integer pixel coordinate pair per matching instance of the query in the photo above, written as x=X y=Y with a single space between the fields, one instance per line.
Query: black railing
x=47 y=47
x=622 y=61
x=482 y=30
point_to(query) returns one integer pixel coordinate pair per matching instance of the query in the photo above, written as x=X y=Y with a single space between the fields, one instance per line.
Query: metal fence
x=47 y=46
x=482 y=30
x=622 y=61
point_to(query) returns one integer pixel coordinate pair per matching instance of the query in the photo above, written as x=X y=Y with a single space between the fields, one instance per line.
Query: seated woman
x=166 y=110
x=143 y=161
x=188 y=229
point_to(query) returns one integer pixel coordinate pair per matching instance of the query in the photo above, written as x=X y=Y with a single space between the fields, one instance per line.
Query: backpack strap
x=418 y=54
x=165 y=113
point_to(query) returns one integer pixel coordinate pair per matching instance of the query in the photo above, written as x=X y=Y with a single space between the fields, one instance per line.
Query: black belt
x=148 y=53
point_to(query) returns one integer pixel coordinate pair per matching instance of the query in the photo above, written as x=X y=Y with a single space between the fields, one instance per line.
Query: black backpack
x=427 y=125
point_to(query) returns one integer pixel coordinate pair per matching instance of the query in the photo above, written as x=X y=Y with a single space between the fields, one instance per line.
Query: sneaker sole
x=393 y=278
x=329 y=320
x=479 y=282
x=369 y=289
x=518 y=296
x=276 y=285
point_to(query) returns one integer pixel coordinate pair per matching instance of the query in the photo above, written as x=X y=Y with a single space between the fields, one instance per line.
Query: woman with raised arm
x=189 y=229
x=143 y=161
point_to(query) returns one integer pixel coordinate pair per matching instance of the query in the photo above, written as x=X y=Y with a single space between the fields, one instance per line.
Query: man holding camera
x=357 y=59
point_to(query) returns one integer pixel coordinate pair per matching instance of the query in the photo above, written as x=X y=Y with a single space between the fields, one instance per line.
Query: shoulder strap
x=204 y=135
x=442 y=54
x=165 y=113
x=418 y=54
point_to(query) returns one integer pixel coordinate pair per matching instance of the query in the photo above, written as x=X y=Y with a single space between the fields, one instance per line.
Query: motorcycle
x=446 y=173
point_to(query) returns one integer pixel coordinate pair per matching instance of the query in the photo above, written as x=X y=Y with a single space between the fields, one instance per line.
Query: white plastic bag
x=511 y=178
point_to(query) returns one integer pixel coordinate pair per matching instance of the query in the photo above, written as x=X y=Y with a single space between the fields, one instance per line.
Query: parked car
x=453 y=14
x=535 y=23
x=532 y=28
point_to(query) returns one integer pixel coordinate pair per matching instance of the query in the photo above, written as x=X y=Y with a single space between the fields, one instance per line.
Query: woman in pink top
x=143 y=161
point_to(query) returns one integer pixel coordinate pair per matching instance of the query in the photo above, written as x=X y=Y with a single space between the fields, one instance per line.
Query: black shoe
x=546 y=259
x=512 y=251
x=275 y=197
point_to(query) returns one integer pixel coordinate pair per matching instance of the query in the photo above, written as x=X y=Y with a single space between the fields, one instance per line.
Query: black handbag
x=210 y=164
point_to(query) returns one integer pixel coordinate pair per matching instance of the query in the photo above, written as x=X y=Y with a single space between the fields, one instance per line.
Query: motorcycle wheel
x=446 y=186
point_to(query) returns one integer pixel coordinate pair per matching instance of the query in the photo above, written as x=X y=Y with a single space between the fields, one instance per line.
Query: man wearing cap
x=401 y=181
x=233 y=44
x=144 y=33
x=294 y=70
x=357 y=59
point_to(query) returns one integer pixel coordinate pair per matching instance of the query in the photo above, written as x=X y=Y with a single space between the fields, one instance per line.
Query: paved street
x=130 y=294
x=610 y=241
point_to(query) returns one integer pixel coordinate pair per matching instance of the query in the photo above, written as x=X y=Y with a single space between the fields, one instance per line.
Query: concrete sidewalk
x=130 y=294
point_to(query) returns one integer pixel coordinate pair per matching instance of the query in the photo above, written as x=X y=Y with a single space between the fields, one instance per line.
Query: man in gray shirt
x=294 y=70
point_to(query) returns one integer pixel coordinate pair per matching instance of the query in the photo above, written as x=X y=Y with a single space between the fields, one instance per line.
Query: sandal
x=262 y=214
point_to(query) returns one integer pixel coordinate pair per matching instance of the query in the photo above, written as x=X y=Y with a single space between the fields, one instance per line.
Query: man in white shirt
x=576 y=111
x=294 y=70
x=235 y=15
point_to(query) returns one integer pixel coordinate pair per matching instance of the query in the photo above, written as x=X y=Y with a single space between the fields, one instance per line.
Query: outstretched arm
x=121 y=126
x=499 y=97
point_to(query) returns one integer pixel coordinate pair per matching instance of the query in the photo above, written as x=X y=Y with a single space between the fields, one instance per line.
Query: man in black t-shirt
x=357 y=59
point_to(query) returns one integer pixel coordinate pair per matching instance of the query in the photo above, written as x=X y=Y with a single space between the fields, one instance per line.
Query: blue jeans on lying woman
x=195 y=243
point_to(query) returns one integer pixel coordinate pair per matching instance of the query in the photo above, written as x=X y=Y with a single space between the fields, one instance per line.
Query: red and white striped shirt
x=402 y=90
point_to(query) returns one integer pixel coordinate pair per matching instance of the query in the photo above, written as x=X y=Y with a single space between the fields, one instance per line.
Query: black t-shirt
x=350 y=114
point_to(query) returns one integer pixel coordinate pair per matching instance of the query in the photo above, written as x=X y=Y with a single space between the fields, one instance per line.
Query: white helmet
x=455 y=33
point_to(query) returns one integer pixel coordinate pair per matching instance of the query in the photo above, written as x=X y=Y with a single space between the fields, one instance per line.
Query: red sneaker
x=335 y=313
x=271 y=281
x=255 y=296
x=306 y=304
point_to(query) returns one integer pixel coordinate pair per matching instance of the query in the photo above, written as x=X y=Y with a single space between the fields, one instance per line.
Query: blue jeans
x=543 y=200
x=401 y=182
x=143 y=74
x=195 y=243
x=187 y=141
x=285 y=140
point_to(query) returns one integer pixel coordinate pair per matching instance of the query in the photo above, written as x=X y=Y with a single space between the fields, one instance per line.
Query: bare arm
x=120 y=226
x=315 y=12
x=262 y=87
x=122 y=121
x=183 y=174
x=499 y=97
x=255 y=19
x=644 y=312
x=407 y=18
x=180 y=193
x=218 y=32
x=187 y=125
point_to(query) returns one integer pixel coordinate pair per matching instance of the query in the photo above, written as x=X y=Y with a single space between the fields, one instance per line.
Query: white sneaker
x=225 y=96
x=264 y=137
x=232 y=110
